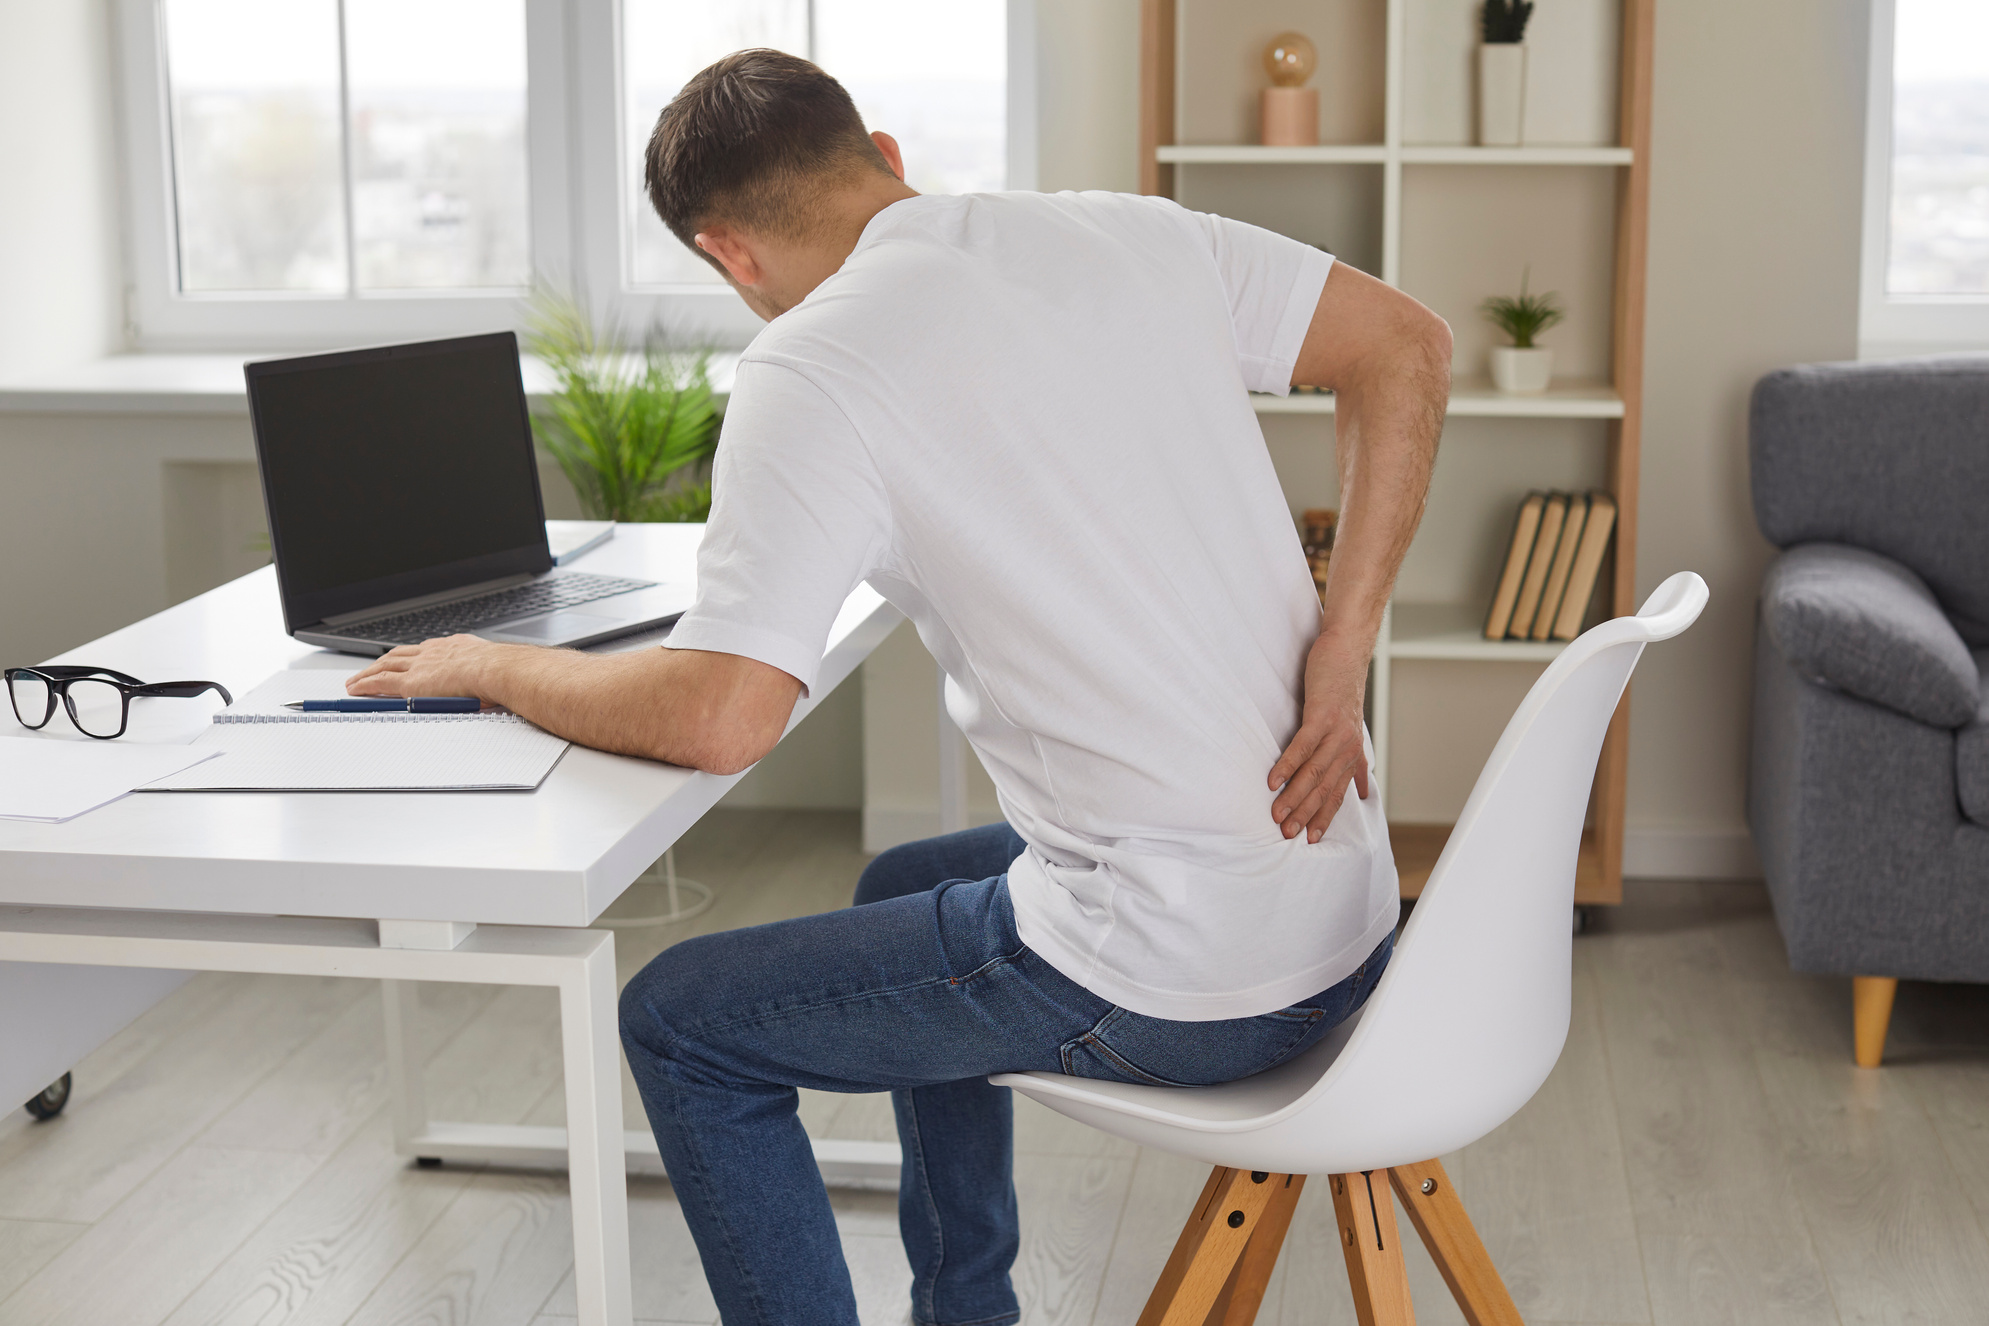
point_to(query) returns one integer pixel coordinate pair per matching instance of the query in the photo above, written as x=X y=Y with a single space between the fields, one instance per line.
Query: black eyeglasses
x=98 y=699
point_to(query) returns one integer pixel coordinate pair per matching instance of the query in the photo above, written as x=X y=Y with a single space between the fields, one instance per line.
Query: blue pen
x=391 y=704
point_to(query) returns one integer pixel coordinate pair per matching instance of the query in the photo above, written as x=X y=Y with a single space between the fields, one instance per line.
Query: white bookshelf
x=1451 y=631
x=1471 y=399
x=1398 y=188
x=1355 y=154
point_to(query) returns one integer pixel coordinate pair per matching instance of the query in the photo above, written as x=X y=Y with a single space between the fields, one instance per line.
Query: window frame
x=1892 y=325
x=578 y=197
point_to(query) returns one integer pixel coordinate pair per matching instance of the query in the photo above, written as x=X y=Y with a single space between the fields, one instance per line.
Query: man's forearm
x=684 y=707
x=716 y=712
x=1386 y=425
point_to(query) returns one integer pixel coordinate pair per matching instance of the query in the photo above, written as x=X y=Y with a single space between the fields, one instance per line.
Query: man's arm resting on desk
x=715 y=712
x=1387 y=359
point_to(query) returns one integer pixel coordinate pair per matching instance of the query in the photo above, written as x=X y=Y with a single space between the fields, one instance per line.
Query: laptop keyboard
x=562 y=591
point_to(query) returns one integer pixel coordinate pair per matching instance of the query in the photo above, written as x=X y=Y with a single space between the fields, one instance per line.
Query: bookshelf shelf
x=1470 y=398
x=1389 y=193
x=1417 y=847
x=1517 y=156
x=1456 y=631
x=1224 y=154
x=1328 y=154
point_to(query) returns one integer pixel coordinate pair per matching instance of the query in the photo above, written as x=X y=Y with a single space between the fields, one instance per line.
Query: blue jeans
x=923 y=989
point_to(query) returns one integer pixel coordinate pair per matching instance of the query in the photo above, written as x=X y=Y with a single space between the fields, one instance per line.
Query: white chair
x=1460 y=1032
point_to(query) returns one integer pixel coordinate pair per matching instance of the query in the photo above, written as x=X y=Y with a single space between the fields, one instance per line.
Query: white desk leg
x=405 y=1078
x=596 y=1166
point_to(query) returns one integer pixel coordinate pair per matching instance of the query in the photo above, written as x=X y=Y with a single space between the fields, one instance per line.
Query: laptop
x=403 y=499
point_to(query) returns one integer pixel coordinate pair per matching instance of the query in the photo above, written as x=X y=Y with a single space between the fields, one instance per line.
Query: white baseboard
x=1689 y=852
x=888 y=826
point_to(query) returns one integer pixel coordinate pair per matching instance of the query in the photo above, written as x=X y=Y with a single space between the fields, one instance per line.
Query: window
x=323 y=171
x=933 y=76
x=1926 y=249
x=348 y=147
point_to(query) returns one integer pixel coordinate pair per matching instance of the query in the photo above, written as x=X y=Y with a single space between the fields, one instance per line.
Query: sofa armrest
x=1866 y=625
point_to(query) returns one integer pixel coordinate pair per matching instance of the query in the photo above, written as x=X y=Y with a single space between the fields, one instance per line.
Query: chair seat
x=1287 y=1120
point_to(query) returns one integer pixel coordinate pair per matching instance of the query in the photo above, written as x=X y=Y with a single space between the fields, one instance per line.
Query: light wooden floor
x=1704 y=1153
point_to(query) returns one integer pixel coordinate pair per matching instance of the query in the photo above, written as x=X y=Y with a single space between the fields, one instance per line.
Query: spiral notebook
x=265 y=747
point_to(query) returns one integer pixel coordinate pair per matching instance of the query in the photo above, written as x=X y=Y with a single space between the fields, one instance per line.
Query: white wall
x=59 y=287
x=1756 y=179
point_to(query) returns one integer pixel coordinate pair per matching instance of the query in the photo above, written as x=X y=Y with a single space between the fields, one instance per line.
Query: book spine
x=1525 y=523
x=1552 y=517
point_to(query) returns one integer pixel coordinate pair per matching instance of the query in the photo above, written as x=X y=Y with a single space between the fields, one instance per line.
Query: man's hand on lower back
x=1328 y=752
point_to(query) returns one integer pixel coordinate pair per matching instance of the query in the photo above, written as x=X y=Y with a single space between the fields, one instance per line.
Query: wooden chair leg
x=1238 y=1303
x=1871 y=1013
x=1454 y=1245
x=1373 y=1246
x=1226 y=1219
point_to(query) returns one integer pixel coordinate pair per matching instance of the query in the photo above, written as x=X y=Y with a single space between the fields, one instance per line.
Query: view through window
x=373 y=145
x=1939 y=233
x=933 y=76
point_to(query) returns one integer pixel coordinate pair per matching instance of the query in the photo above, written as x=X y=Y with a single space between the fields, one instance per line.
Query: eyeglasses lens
x=30 y=696
x=99 y=706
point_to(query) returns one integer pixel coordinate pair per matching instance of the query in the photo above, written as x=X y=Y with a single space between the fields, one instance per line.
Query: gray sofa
x=1869 y=788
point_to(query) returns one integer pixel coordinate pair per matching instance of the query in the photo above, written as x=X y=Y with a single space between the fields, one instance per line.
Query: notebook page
x=264 y=747
x=504 y=754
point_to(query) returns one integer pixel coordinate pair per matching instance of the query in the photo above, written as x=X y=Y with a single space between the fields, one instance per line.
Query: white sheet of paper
x=50 y=780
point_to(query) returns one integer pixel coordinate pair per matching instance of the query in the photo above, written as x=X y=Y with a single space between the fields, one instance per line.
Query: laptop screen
x=396 y=472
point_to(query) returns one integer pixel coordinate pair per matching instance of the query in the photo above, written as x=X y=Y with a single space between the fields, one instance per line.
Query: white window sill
x=198 y=384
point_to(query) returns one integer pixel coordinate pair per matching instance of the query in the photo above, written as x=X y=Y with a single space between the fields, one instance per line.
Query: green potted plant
x=1502 y=72
x=632 y=428
x=1523 y=368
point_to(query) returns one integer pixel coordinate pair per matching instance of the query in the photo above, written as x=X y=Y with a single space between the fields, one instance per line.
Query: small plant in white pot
x=1502 y=72
x=1523 y=368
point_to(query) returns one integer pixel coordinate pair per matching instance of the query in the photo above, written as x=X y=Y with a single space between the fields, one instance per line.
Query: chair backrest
x=1473 y=1010
x=1890 y=456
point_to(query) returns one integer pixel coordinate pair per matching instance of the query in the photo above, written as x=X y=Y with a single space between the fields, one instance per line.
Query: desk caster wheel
x=50 y=1102
x=428 y=1162
x=1582 y=919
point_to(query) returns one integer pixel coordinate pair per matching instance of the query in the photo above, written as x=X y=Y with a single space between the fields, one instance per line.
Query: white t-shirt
x=1023 y=418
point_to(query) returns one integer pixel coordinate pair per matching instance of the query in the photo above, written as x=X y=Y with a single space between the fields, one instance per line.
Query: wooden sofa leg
x=1226 y=1219
x=1439 y=1216
x=1373 y=1247
x=1871 y=1013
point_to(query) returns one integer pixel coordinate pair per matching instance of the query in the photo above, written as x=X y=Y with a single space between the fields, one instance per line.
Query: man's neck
x=849 y=212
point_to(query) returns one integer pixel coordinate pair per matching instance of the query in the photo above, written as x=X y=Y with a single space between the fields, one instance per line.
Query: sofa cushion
x=1871 y=628
x=1889 y=455
x=1971 y=752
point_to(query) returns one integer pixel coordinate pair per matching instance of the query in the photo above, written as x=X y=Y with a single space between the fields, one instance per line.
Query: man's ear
x=732 y=254
x=889 y=147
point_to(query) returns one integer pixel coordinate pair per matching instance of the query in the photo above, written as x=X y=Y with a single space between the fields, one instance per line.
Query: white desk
x=486 y=887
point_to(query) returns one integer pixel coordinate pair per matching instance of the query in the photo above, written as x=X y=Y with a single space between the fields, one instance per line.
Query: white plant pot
x=1501 y=93
x=1522 y=372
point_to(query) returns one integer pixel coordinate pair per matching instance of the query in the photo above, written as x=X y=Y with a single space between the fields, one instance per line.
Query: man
x=1024 y=419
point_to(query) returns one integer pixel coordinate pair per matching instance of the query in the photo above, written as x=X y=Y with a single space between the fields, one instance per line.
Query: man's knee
x=659 y=996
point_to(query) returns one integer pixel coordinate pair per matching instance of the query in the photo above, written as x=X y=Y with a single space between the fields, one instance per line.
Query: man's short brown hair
x=753 y=140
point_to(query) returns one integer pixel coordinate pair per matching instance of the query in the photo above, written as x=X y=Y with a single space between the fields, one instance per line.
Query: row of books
x=1552 y=565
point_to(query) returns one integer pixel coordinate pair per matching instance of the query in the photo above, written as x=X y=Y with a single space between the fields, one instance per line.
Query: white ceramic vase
x=1522 y=372
x=1501 y=93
